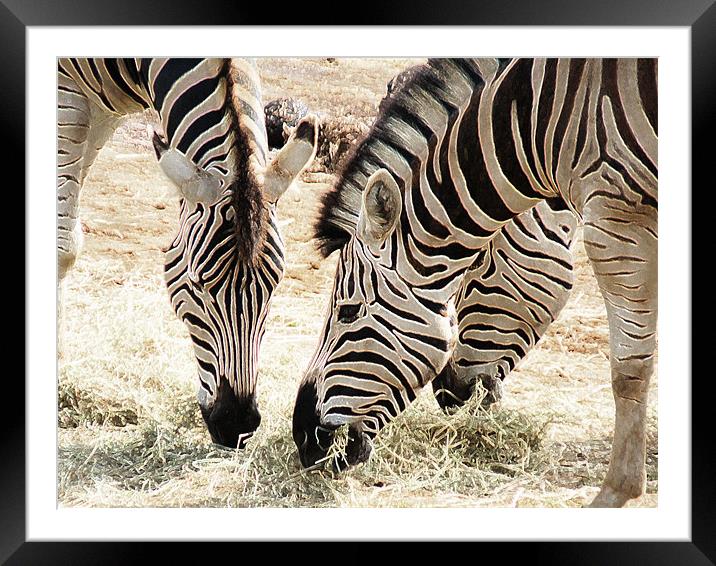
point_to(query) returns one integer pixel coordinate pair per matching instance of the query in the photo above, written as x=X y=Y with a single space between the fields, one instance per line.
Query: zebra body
x=228 y=256
x=455 y=155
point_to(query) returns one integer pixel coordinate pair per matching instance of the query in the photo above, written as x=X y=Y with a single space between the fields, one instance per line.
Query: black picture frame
x=698 y=15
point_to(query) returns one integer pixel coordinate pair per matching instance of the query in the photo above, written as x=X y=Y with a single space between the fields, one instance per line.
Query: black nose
x=231 y=420
x=450 y=391
x=313 y=446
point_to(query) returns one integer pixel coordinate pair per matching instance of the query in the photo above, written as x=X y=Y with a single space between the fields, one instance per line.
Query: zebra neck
x=493 y=140
x=456 y=198
x=210 y=111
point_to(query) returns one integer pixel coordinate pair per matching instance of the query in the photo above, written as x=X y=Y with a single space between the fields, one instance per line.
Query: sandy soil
x=126 y=360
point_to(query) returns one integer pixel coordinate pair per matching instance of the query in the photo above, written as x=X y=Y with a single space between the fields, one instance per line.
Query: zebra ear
x=194 y=184
x=381 y=208
x=299 y=151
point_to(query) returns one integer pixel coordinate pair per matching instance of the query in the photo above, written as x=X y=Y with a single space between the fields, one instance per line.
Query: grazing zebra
x=462 y=149
x=228 y=256
x=508 y=298
x=516 y=288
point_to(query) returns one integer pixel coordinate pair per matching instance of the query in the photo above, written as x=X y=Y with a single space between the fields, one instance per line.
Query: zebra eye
x=348 y=313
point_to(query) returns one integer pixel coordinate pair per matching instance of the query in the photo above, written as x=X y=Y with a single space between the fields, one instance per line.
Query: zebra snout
x=358 y=450
x=454 y=386
x=313 y=446
x=231 y=420
x=450 y=391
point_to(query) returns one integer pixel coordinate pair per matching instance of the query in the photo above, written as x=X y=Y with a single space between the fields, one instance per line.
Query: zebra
x=228 y=255
x=462 y=149
x=501 y=310
x=516 y=288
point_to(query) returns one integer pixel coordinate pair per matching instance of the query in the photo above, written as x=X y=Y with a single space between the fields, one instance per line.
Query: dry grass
x=130 y=430
x=166 y=461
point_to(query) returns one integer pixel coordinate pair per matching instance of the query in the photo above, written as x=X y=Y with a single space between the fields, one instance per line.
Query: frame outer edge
x=12 y=439
x=12 y=478
x=703 y=123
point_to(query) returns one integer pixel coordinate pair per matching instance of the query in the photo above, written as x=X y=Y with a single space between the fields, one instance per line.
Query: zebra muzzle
x=314 y=445
x=454 y=386
x=231 y=420
x=358 y=450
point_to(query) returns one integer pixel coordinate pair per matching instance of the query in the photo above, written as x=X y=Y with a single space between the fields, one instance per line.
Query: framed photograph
x=277 y=330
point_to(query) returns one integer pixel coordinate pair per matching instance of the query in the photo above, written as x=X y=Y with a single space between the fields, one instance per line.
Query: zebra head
x=221 y=288
x=383 y=339
x=391 y=326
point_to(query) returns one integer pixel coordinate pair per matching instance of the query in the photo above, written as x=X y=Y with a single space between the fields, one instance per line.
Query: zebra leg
x=621 y=243
x=82 y=130
x=73 y=124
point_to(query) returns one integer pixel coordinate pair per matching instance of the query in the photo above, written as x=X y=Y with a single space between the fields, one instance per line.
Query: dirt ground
x=130 y=433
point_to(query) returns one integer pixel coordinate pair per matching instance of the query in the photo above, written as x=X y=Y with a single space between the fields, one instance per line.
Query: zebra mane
x=340 y=205
x=248 y=203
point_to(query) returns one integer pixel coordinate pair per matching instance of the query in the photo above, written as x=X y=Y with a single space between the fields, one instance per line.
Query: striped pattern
x=463 y=148
x=223 y=302
x=228 y=256
x=508 y=298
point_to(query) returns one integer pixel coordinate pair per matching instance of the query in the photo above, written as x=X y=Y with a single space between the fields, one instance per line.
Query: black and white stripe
x=464 y=147
x=508 y=298
x=228 y=256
